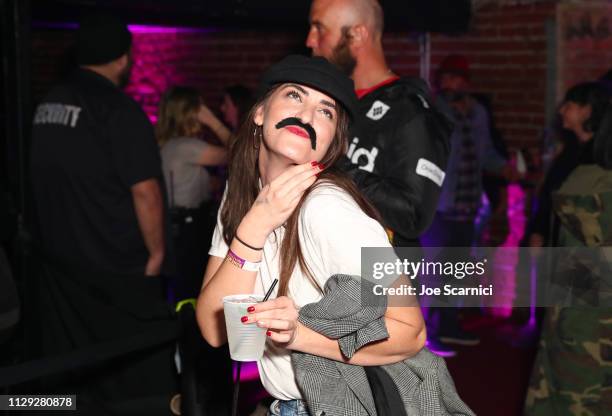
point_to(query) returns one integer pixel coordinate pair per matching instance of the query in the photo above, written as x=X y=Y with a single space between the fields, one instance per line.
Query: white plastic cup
x=246 y=341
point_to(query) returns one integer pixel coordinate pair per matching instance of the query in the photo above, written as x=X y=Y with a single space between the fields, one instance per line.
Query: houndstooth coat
x=332 y=388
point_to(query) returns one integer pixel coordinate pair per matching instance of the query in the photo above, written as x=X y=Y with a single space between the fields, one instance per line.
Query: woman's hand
x=279 y=317
x=209 y=119
x=205 y=116
x=277 y=201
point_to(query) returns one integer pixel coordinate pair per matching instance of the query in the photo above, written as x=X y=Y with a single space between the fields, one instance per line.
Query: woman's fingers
x=300 y=180
x=276 y=324
x=279 y=330
x=281 y=308
x=278 y=316
x=296 y=193
x=278 y=303
x=281 y=313
x=278 y=200
x=287 y=175
x=280 y=337
x=285 y=194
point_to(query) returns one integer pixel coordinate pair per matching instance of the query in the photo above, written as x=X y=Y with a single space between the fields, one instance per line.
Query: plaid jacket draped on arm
x=333 y=388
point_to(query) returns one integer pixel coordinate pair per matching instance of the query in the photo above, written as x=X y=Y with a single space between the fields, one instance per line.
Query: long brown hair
x=178 y=114
x=243 y=188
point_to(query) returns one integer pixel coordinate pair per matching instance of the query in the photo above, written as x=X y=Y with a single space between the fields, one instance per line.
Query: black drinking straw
x=239 y=363
x=269 y=292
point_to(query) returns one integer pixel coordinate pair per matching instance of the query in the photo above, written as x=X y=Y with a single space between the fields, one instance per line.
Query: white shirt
x=187 y=182
x=332 y=230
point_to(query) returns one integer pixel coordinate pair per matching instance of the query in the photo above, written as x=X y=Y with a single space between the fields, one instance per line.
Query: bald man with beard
x=399 y=142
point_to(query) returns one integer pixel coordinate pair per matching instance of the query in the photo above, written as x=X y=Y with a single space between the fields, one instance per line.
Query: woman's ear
x=258 y=118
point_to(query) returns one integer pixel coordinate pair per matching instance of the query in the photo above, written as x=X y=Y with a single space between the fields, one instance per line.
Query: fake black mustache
x=294 y=121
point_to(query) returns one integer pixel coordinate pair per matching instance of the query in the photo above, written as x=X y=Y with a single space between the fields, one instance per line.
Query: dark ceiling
x=449 y=16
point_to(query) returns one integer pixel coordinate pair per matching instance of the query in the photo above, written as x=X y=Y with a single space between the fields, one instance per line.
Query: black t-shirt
x=90 y=144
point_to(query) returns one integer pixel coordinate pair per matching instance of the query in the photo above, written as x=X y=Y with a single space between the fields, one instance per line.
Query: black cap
x=315 y=72
x=101 y=39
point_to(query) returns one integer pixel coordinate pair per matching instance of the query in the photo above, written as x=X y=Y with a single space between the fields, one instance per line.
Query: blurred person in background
x=237 y=101
x=182 y=116
x=98 y=188
x=472 y=153
x=572 y=371
x=582 y=107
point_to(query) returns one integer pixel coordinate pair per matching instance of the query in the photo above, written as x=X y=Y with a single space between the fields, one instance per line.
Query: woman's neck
x=271 y=166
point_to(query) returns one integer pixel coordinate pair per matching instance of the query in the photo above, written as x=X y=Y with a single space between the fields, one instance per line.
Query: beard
x=341 y=56
x=452 y=96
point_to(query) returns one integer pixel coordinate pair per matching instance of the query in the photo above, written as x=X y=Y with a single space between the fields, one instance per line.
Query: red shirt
x=364 y=91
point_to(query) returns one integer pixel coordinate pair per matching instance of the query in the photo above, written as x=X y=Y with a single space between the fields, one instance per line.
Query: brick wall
x=206 y=59
x=50 y=58
x=507 y=49
x=507 y=46
x=585 y=42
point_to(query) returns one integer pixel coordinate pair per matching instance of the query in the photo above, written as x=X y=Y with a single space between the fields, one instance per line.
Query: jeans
x=456 y=237
x=288 y=408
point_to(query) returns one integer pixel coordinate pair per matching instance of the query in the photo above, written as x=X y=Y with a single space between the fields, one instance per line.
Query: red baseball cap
x=455 y=64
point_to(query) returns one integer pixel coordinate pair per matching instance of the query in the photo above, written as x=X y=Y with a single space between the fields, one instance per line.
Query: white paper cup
x=246 y=341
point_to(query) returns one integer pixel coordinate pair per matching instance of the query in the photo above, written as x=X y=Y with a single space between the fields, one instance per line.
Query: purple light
x=134 y=28
x=506 y=272
x=41 y=24
x=169 y=29
x=156 y=61
x=248 y=372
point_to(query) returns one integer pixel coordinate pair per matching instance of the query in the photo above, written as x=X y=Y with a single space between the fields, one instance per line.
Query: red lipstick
x=298 y=131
